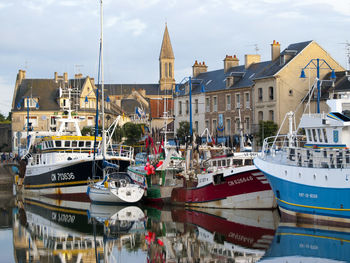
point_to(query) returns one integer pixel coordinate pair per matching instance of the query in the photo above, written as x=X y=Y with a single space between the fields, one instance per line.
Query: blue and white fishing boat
x=310 y=173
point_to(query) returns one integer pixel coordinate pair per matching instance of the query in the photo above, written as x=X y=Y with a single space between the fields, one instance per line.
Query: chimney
x=275 y=50
x=230 y=62
x=198 y=68
x=55 y=77
x=78 y=76
x=251 y=59
x=65 y=77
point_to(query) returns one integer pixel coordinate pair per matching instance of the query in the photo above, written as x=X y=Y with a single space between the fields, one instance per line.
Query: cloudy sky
x=44 y=36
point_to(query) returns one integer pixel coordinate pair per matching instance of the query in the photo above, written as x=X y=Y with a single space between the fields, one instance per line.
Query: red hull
x=236 y=184
x=247 y=236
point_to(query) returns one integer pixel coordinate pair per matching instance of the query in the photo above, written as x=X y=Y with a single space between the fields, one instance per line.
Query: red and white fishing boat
x=230 y=181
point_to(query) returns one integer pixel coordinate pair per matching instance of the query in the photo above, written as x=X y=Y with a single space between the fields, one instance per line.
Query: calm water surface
x=47 y=230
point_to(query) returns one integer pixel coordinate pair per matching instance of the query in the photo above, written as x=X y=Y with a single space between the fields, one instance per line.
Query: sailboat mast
x=102 y=89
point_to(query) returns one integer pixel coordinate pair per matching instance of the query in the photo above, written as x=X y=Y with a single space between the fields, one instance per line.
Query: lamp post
x=317 y=64
x=177 y=90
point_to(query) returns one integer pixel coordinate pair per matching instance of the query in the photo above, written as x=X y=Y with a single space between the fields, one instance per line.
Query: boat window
x=309 y=135
x=51 y=144
x=74 y=144
x=58 y=143
x=319 y=135
x=228 y=162
x=81 y=144
x=340 y=116
x=314 y=135
x=67 y=144
x=325 y=135
x=223 y=162
x=214 y=163
x=219 y=163
x=46 y=145
x=88 y=144
x=219 y=178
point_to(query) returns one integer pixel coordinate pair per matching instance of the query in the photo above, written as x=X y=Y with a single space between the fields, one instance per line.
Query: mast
x=102 y=89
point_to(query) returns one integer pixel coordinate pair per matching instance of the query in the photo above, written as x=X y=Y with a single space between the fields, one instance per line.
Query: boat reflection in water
x=309 y=243
x=204 y=235
x=48 y=230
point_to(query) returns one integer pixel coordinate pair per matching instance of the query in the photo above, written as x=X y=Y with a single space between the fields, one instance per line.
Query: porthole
x=326 y=177
x=299 y=175
x=285 y=172
x=314 y=176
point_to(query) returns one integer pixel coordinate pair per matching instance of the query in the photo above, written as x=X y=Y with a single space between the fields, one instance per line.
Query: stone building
x=238 y=96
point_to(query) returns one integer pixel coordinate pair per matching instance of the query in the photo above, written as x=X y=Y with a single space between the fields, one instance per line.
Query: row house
x=234 y=99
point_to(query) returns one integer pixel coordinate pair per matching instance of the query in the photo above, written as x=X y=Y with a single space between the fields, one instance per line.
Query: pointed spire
x=166 y=51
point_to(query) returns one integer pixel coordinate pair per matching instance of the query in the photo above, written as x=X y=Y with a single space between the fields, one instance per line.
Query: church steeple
x=166 y=63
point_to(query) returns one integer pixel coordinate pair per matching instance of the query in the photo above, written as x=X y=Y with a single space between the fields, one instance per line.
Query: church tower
x=166 y=63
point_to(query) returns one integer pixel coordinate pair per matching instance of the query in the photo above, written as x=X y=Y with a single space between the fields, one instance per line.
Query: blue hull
x=304 y=243
x=299 y=198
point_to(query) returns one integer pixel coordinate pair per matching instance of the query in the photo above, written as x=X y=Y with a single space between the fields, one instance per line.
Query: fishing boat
x=309 y=172
x=212 y=176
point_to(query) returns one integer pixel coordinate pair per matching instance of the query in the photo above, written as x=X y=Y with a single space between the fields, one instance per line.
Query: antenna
x=256 y=48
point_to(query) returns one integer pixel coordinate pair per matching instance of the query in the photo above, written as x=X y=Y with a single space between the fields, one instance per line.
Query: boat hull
x=124 y=195
x=62 y=179
x=244 y=188
x=320 y=193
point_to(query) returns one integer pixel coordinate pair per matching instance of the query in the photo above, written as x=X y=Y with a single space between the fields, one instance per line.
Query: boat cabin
x=68 y=144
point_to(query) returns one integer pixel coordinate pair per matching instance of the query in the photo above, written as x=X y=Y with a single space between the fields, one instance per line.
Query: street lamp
x=317 y=64
x=177 y=90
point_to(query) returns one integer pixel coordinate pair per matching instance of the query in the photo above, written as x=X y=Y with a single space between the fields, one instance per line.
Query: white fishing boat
x=309 y=173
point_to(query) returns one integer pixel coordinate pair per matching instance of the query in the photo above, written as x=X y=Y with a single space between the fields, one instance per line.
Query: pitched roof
x=46 y=90
x=166 y=50
x=291 y=51
x=126 y=89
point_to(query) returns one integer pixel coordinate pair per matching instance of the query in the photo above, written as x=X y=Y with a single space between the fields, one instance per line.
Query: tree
x=183 y=131
x=118 y=134
x=266 y=129
x=132 y=133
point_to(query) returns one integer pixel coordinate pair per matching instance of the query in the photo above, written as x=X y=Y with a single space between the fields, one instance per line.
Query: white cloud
x=134 y=26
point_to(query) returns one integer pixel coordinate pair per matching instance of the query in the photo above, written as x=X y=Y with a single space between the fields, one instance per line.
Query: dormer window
x=31 y=102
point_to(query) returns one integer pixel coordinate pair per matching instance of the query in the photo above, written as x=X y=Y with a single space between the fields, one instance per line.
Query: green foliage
x=132 y=132
x=266 y=129
x=183 y=131
x=4 y=119
x=118 y=134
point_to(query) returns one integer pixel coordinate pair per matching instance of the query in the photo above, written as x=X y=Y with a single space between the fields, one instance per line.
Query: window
x=214 y=126
x=90 y=120
x=170 y=70
x=247 y=124
x=196 y=126
x=228 y=127
x=187 y=107
x=260 y=116
x=228 y=102
x=215 y=103
x=33 y=121
x=271 y=93
x=207 y=124
x=180 y=107
x=207 y=104
x=319 y=135
x=247 y=100
x=314 y=135
x=74 y=144
x=81 y=144
x=88 y=144
x=67 y=144
x=31 y=102
x=166 y=69
x=58 y=143
x=325 y=136
x=309 y=135
x=196 y=106
x=272 y=115
x=238 y=101
x=53 y=121
x=260 y=94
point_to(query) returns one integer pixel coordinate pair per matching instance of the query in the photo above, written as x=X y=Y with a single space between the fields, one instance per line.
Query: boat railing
x=293 y=152
x=122 y=151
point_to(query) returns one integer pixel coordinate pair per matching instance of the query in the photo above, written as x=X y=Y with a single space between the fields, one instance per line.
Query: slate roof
x=274 y=66
x=45 y=89
x=126 y=89
x=129 y=106
x=216 y=80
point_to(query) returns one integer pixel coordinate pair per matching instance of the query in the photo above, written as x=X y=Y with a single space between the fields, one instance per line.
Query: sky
x=47 y=36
